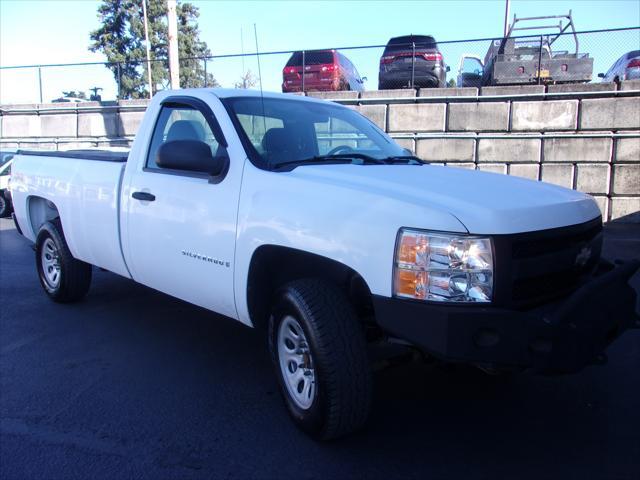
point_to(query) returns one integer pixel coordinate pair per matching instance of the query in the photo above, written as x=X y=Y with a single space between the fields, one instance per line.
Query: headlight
x=443 y=267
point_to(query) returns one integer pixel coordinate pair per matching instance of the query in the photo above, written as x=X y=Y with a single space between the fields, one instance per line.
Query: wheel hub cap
x=50 y=259
x=296 y=363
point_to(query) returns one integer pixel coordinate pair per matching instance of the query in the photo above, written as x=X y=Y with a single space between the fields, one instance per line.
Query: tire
x=52 y=255
x=336 y=398
x=5 y=206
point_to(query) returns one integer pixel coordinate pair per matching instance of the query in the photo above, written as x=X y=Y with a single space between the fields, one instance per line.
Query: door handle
x=144 y=196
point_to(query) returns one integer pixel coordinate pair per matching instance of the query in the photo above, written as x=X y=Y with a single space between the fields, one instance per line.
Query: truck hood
x=485 y=203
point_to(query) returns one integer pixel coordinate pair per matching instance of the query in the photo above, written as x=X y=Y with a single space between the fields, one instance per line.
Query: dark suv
x=412 y=61
x=323 y=70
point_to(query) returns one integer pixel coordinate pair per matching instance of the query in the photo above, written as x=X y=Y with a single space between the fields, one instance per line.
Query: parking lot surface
x=132 y=383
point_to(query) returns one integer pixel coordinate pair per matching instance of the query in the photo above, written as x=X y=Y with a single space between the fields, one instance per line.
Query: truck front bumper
x=561 y=337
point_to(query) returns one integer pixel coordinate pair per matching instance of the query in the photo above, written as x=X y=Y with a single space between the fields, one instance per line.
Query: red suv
x=323 y=70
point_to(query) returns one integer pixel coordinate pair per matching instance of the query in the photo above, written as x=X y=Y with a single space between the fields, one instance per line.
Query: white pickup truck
x=5 y=175
x=304 y=218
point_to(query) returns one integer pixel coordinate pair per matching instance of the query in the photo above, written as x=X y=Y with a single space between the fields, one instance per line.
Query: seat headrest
x=276 y=140
x=185 y=130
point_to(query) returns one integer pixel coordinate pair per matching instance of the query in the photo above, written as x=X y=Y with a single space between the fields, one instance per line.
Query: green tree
x=121 y=39
x=451 y=83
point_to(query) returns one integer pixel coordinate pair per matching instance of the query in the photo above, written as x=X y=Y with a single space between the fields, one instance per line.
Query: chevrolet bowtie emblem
x=583 y=256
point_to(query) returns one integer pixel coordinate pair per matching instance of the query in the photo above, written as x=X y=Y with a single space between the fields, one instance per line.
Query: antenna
x=264 y=120
x=255 y=33
x=242 y=49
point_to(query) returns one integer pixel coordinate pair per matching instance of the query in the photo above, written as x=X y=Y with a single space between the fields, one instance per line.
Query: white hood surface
x=485 y=203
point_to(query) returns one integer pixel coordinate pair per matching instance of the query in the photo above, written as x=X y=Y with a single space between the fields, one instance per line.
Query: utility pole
x=146 y=41
x=174 y=63
x=507 y=7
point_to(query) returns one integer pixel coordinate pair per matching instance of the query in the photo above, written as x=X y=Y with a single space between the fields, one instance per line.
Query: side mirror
x=448 y=68
x=190 y=155
x=601 y=75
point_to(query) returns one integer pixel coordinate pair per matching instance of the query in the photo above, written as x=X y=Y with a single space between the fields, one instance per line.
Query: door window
x=181 y=123
x=471 y=65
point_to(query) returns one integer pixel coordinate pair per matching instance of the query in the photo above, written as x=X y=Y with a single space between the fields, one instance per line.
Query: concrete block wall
x=60 y=126
x=585 y=137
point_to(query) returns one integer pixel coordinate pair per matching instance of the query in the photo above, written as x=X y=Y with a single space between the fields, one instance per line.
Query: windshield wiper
x=354 y=158
x=409 y=159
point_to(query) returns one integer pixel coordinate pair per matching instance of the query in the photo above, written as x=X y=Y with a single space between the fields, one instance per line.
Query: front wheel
x=64 y=278
x=319 y=353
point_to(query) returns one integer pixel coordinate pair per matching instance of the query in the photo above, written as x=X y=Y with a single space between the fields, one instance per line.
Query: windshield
x=284 y=131
x=5 y=157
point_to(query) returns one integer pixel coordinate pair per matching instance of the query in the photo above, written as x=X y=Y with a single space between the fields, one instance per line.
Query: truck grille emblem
x=583 y=256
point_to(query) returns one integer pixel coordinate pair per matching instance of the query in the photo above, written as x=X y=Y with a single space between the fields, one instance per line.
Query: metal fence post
x=40 y=81
x=119 y=81
x=205 y=72
x=304 y=65
x=540 y=62
x=413 y=64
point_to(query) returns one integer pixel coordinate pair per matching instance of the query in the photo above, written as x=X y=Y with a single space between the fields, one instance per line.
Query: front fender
x=351 y=226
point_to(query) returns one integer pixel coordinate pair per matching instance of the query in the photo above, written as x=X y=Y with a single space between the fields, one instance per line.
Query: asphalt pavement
x=132 y=383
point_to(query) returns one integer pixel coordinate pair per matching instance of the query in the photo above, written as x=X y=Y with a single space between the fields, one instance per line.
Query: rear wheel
x=5 y=206
x=64 y=278
x=319 y=353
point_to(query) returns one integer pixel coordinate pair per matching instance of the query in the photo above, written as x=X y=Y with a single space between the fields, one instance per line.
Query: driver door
x=181 y=225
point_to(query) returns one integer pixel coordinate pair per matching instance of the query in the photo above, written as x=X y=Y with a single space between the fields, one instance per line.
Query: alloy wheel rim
x=296 y=363
x=50 y=259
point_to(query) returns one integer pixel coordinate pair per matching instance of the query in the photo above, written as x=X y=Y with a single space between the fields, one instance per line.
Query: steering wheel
x=340 y=148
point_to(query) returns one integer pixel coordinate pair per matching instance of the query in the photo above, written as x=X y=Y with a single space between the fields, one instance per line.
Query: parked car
x=412 y=61
x=322 y=71
x=301 y=217
x=627 y=67
x=6 y=206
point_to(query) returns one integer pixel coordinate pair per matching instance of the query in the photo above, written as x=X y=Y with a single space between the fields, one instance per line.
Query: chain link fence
x=407 y=63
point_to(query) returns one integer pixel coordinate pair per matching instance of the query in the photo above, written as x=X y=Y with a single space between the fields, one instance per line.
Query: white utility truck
x=303 y=218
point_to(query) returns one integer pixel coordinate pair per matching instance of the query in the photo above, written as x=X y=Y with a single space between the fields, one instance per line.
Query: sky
x=51 y=32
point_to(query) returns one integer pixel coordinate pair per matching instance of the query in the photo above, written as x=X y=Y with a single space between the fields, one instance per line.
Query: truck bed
x=85 y=187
